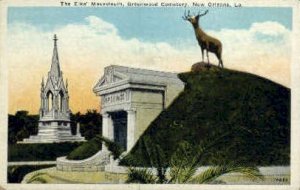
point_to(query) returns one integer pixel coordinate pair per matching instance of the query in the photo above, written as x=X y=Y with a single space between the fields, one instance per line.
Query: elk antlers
x=200 y=15
x=187 y=16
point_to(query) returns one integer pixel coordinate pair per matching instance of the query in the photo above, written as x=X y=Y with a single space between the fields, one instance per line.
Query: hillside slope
x=225 y=100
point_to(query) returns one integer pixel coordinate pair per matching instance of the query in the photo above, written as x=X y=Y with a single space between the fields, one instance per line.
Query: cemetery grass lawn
x=39 y=152
x=51 y=175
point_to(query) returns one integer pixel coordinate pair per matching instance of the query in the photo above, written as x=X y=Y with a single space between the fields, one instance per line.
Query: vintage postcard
x=150 y=94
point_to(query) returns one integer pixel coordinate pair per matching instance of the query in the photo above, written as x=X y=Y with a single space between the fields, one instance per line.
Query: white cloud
x=269 y=28
x=102 y=27
x=267 y=38
x=263 y=49
x=85 y=49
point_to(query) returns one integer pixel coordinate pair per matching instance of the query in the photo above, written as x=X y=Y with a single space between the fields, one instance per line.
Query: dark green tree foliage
x=225 y=100
x=21 y=125
x=90 y=123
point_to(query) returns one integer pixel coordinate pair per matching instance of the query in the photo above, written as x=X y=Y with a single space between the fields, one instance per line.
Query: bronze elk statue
x=205 y=41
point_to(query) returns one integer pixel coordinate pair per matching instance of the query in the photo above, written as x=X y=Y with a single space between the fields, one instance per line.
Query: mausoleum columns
x=131 y=122
x=105 y=124
x=107 y=128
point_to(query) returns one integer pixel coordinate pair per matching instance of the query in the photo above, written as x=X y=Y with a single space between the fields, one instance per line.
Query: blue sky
x=158 y=24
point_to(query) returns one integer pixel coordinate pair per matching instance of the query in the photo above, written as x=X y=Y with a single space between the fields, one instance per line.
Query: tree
x=90 y=123
x=21 y=125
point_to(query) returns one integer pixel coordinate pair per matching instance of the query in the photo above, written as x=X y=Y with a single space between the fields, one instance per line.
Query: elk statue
x=205 y=41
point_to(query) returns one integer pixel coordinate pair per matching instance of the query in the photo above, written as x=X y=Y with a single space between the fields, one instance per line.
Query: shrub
x=86 y=150
x=93 y=146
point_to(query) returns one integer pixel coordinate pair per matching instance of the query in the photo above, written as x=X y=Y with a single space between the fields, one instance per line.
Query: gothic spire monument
x=54 y=95
x=54 y=122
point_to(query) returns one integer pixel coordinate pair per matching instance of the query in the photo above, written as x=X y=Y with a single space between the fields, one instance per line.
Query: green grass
x=255 y=109
x=39 y=152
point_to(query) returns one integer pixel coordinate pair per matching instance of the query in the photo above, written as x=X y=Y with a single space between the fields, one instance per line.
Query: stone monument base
x=54 y=132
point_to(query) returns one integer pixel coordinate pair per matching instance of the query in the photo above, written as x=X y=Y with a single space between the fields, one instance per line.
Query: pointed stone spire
x=55 y=68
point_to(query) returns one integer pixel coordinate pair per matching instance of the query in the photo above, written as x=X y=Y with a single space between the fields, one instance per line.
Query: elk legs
x=207 y=57
x=207 y=48
x=202 y=51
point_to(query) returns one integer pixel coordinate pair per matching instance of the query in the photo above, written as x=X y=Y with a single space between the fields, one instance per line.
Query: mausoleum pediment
x=111 y=77
x=119 y=78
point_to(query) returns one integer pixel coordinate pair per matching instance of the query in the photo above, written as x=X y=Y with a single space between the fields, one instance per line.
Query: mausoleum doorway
x=119 y=121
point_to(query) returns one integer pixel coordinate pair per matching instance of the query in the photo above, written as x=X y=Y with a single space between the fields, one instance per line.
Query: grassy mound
x=40 y=152
x=224 y=100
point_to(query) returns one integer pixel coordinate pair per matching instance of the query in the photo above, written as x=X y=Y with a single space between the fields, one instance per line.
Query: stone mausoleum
x=54 y=123
x=131 y=99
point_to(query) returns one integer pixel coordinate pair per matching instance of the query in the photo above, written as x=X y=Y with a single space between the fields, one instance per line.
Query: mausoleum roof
x=116 y=75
